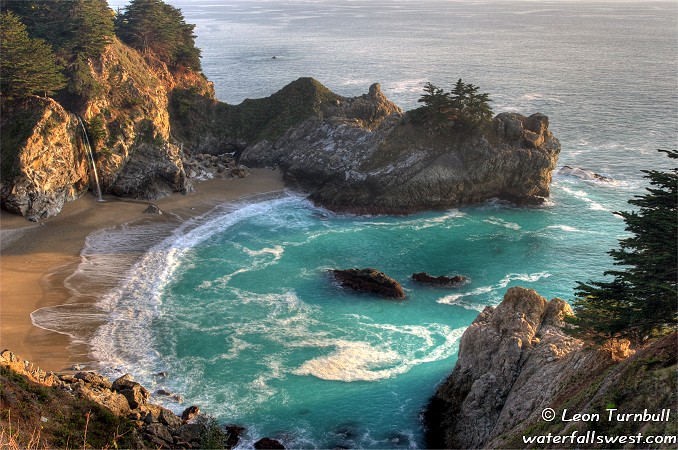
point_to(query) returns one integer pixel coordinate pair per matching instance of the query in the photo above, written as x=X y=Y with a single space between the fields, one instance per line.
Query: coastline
x=37 y=258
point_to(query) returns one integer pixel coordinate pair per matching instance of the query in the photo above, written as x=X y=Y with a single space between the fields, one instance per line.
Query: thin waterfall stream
x=91 y=158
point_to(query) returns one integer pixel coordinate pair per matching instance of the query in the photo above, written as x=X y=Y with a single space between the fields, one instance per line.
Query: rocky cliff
x=44 y=161
x=516 y=360
x=364 y=155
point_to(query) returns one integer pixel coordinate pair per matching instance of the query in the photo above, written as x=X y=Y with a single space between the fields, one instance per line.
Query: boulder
x=369 y=280
x=135 y=393
x=239 y=172
x=423 y=277
x=190 y=413
x=152 y=209
x=233 y=433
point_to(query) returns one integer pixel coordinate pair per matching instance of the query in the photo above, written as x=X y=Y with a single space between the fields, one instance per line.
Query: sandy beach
x=36 y=258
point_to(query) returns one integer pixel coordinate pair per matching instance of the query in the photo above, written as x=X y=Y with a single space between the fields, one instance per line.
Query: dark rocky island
x=369 y=280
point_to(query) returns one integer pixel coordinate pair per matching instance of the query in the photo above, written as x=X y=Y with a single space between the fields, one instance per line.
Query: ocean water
x=238 y=308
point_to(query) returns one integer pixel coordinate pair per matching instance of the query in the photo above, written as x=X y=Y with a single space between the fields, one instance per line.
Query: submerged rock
x=369 y=280
x=423 y=277
x=584 y=174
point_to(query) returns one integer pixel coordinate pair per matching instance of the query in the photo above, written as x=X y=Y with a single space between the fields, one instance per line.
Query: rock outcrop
x=364 y=155
x=148 y=425
x=515 y=360
x=369 y=280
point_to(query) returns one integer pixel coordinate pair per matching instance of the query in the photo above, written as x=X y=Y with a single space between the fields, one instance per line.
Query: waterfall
x=91 y=158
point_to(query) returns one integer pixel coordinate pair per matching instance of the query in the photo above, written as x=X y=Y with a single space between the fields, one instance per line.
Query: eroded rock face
x=369 y=280
x=361 y=159
x=44 y=165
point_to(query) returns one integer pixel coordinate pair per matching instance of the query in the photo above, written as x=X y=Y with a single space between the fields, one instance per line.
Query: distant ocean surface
x=238 y=308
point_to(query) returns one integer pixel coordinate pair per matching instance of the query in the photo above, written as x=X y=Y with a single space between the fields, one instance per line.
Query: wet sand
x=36 y=258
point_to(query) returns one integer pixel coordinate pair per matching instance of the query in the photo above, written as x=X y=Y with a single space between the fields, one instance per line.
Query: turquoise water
x=238 y=307
x=241 y=312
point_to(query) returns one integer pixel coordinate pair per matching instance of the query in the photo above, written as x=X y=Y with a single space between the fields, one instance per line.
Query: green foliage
x=77 y=30
x=640 y=302
x=153 y=26
x=464 y=107
x=212 y=436
x=96 y=130
x=28 y=65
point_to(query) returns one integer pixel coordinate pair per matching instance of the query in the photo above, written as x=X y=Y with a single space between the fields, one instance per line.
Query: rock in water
x=423 y=277
x=268 y=443
x=152 y=209
x=369 y=280
x=190 y=413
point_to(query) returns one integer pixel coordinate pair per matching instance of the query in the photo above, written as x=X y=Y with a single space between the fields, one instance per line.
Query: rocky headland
x=516 y=360
x=365 y=155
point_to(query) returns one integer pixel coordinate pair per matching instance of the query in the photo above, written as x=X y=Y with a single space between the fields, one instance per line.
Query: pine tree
x=27 y=65
x=640 y=303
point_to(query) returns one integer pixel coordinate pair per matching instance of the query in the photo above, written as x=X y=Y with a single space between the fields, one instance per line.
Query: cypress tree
x=640 y=303
x=28 y=65
x=157 y=28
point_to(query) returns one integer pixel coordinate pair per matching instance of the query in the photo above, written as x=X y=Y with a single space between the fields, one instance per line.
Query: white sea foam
x=401 y=348
x=503 y=223
x=455 y=299
x=567 y=228
x=530 y=278
x=584 y=196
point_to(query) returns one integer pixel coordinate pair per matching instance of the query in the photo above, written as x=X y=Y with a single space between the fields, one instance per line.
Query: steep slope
x=515 y=361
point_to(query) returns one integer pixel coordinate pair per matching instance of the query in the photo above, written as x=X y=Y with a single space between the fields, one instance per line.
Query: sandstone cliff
x=515 y=360
x=364 y=155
